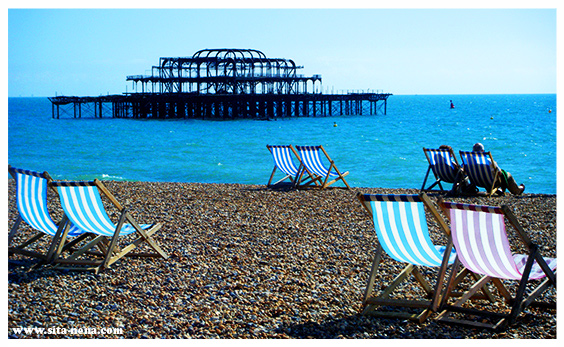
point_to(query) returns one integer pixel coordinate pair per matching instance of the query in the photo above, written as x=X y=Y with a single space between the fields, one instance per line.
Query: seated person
x=463 y=185
x=505 y=180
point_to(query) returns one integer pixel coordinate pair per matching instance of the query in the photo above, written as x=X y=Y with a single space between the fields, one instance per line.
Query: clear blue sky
x=89 y=52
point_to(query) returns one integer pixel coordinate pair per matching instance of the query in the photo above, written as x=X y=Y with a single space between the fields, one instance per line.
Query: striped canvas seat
x=312 y=160
x=31 y=200
x=31 y=192
x=83 y=206
x=481 y=169
x=318 y=173
x=282 y=156
x=443 y=164
x=402 y=232
x=480 y=239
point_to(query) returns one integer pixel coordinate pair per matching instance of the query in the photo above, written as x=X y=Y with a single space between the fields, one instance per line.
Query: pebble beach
x=247 y=262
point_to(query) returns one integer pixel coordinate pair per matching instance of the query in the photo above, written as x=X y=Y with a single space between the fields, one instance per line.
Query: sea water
x=378 y=150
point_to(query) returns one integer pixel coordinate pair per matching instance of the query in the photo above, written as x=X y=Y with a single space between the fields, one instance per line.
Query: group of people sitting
x=505 y=180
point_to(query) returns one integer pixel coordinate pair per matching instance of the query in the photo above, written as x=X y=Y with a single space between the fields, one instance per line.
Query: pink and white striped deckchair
x=482 y=246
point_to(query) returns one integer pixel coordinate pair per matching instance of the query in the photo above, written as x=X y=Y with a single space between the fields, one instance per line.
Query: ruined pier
x=223 y=84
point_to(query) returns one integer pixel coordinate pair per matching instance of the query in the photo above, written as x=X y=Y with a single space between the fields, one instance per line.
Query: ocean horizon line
x=393 y=94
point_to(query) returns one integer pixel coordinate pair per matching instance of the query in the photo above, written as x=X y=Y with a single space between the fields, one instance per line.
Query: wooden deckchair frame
x=494 y=169
x=438 y=179
x=21 y=248
x=111 y=253
x=517 y=303
x=426 y=307
x=320 y=181
x=294 y=180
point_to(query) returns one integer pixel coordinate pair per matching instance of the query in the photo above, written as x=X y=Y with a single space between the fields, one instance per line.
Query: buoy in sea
x=335 y=124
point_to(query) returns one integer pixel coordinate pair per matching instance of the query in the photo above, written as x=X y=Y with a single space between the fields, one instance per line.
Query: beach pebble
x=246 y=262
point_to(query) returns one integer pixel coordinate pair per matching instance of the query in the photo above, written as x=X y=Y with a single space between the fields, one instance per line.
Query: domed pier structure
x=223 y=84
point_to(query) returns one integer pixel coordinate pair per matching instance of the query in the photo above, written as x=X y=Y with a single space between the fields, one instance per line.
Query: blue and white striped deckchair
x=402 y=232
x=317 y=171
x=282 y=156
x=480 y=239
x=82 y=204
x=481 y=169
x=443 y=164
x=31 y=201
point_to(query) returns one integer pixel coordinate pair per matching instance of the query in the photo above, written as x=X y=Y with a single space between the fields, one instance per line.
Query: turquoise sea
x=378 y=151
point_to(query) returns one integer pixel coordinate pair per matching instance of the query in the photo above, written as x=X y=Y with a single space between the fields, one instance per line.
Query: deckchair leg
x=400 y=278
x=340 y=177
x=445 y=307
x=440 y=278
x=493 y=188
x=113 y=242
x=437 y=181
x=59 y=238
x=324 y=184
x=146 y=237
x=537 y=292
x=81 y=251
x=426 y=176
x=298 y=177
x=103 y=246
x=500 y=288
x=20 y=249
x=32 y=240
x=422 y=281
x=126 y=250
x=272 y=175
x=275 y=183
x=451 y=283
x=69 y=245
x=313 y=178
x=373 y=270
x=372 y=303
x=549 y=273
x=457 y=185
x=72 y=258
x=516 y=309
x=473 y=289
x=14 y=229
x=59 y=249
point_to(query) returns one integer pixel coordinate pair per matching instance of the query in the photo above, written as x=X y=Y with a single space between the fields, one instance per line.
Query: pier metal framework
x=223 y=84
